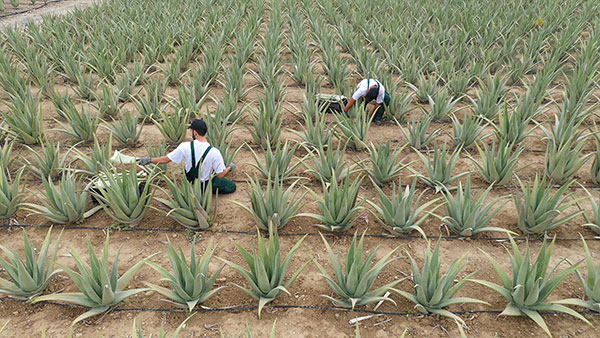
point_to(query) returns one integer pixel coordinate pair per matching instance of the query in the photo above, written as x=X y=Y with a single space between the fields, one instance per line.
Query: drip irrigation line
x=286 y=306
x=292 y=234
x=29 y=9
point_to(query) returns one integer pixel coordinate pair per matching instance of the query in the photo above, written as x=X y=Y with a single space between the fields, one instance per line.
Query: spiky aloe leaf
x=99 y=282
x=531 y=284
x=28 y=277
x=353 y=284
x=433 y=291
x=266 y=271
x=401 y=213
x=189 y=282
x=272 y=204
x=339 y=204
x=190 y=204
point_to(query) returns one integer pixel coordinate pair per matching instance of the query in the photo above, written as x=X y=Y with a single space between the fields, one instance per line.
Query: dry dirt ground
x=30 y=320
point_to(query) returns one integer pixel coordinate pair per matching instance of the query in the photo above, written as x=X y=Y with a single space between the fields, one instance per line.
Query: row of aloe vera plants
x=277 y=196
x=267 y=275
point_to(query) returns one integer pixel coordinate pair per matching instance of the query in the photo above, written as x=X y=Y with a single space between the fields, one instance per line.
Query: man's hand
x=232 y=166
x=144 y=161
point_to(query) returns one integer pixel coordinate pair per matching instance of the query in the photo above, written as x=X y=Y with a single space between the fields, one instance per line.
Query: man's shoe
x=378 y=122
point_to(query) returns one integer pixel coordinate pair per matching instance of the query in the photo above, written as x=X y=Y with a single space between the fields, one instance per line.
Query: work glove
x=143 y=161
x=232 y=166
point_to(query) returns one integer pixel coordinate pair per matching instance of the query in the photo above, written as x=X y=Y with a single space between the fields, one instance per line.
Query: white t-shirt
x=363 y=87
x=213 y=162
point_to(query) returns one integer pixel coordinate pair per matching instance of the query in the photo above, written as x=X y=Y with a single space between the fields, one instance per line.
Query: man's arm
x=160 y=160
x=224 y=172
x=349 y=105
x=375 y=108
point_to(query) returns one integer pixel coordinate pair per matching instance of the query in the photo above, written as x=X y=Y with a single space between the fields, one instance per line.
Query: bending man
x=371 y=89
x=201 y=160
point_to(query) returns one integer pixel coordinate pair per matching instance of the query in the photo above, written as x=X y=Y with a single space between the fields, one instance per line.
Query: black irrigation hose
x=29 y=9
x=312 y=307
x=292 y=234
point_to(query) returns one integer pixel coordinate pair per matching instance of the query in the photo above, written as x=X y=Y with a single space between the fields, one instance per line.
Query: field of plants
x=473 y=210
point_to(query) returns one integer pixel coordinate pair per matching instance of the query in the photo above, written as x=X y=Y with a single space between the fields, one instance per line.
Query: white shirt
x=363 y=87
x=213 y=162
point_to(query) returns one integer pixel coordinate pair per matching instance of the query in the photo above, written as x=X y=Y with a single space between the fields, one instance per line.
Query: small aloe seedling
x=531 y=284
x=538 y=209
x=99 y=282
x=190 y=283
x=401 y=213
x=434 y=291
x=353 y=283
x=48 y=163
x=28 y=278
x=468 y=214
x=266 y=271
x=339 y=205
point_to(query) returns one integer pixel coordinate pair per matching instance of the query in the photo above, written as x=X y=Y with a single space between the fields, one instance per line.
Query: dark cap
x=199 y=126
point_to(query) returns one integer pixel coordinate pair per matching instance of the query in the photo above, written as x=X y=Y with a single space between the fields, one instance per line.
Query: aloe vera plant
x=190 y=283
x=11 y=196
x=591 y=300
x=328 y=162
x=24 y=118
x=595 y=168
x=439 y=169
x=29 y=277
x=418 y=135
x=385 y=163
x=266 y=271
x=530 y=284
x=592 y=221
x=48 y=163
x=82 y=126
x=539 y=211
x=126 y=130
x=487 y=103
x=64 y=203
x=354 y=127
x=123 y=195
x=173 y=127
x=468 y=214
x=353 y=283
x=441 y=105
x=339 y=205
x=190 y=204
x=563 y=157
x=468 y=132
x=99 y=283
x=272 y=205
x=400 y=212
x=277 y=161
x=433 y=292
x=97 y=160
x=498 y=162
